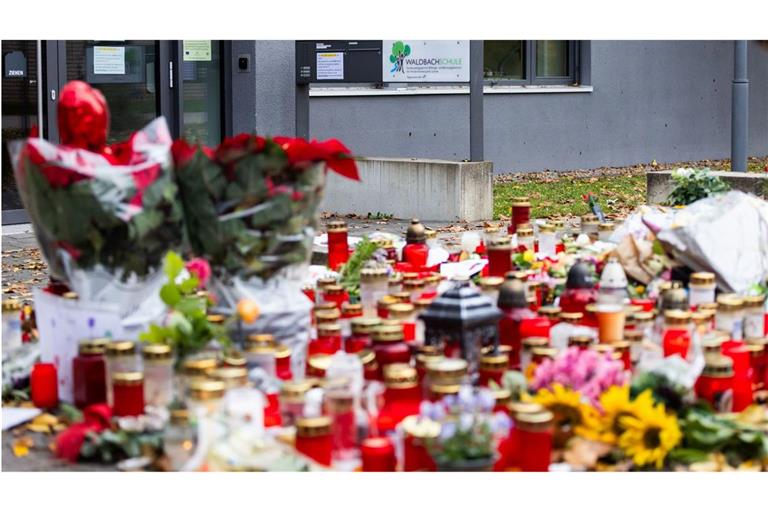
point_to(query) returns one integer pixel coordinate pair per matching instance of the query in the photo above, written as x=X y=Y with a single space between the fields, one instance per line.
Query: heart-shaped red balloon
x=83 y=117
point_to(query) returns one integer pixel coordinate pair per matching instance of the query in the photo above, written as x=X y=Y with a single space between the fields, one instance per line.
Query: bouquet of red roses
x=251 y=204
x=112 y=209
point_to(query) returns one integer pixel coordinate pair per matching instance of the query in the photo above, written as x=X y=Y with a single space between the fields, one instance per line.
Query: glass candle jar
x=317 y=365
x=348 y=312
x=701 y=288
x=730 y=315
x=677 y=333
x=394 y=284
x=11 y=325
x=520 y=213
x=402 y=384
x=534 y=435
x=337 y=294
x=178 y=439
x=541 y=354
x=417 y=434
x=325 y=312
x=360 y=339
x=44 y=386
x=260 y=353
x=378 y=454
x=89 y=374
x=414 y=287
x=205 y=396
x=610 y=322
x=492 y=367
x=128 y=393
x=500 y=256
x=194 y=368
x=122 y=357
x=635 y=339
x=283 y=369
x=405 y=313
x=382 y=307
x=340 y=408
x=158 y=374
x=547 y=241
x=423 y=358
x=447 y=370
x=338 y=245
x=490 y=287
x=314 y=439
x=512 y=446
x=292 y=398
x=374 y=284
x=490 y=234
x=371 y=369
x=528 y=344
x=420 y=306
x=757 y=360
x=605 y=230
x=328 y=339
x=525 y=238
x=754 y=316
x=320 y=285
x=438 y=391
x=715 y=383
x=431 y=282
x=624 y=349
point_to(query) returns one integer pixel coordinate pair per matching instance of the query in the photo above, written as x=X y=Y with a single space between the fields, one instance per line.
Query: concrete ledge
x=432 y=190
x=660 y=183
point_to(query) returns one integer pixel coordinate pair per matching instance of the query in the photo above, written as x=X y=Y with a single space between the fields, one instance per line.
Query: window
x=531 y=62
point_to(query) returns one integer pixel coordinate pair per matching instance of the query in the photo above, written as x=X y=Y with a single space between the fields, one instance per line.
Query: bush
x=694 y=184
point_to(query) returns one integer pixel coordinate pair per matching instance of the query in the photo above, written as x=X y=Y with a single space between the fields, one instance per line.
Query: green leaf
x=173 y=265
x=407 y=51
x=392 y=59
x=170 y=294
x=189 y=285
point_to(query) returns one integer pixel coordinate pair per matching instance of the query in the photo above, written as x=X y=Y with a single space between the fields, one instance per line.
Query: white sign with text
x=425 y=61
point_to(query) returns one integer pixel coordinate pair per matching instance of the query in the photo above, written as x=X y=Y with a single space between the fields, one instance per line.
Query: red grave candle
x=313 y=438
x=283 y=362
x=715 y=383
x=338 y=245
x=521 y=214
x=492 y=368
x=128 y=394
x=89 y=374
x=336 y=294
x=534 y=437
x=499 y=256
x=378 y=454
x=418 y=432
x=44 y=387
x=416 y=254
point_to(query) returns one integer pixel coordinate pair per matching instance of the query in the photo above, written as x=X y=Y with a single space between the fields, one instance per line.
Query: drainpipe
x=739 y=108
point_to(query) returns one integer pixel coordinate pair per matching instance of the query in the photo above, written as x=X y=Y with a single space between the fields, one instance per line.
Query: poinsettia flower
x=71 y=249
x=143 y=179
x=339 y=159
x=235 y=147
x=200 y=268
x=183 y=152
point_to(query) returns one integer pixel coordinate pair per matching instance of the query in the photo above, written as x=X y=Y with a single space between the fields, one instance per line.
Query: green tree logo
x=400 y=51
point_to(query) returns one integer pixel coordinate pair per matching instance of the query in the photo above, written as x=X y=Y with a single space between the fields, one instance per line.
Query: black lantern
x=462 y=317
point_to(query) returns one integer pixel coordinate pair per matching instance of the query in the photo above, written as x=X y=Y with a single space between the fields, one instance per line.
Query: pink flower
x=199 y=268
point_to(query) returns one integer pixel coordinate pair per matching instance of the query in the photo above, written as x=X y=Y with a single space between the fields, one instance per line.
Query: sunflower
x=616 y=405
x=573 y=415
x=649 y=434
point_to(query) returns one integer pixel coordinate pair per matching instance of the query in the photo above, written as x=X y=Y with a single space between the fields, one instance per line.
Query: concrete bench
x=660 y=183
x=432 y=190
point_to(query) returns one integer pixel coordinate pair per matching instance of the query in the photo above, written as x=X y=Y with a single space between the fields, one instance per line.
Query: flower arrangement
x=585 y=371
x=468 y=429
x=94 y=205
x=251 y=203
x=694 y=184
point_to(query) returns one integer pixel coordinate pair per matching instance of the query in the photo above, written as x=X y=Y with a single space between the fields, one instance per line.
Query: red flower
x=183 y=152
x=238 y=146
x=71 y=249
x=83 y=117
x=200 y=268
x=96 y=418
x=143 y=179
x=336 y=156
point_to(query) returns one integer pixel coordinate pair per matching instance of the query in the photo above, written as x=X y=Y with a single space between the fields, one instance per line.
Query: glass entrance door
x=126 y=73
x=20 y=115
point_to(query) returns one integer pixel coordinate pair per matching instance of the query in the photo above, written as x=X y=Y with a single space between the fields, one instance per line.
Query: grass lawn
x=562 y=197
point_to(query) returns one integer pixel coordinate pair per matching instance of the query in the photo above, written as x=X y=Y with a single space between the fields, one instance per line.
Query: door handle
x=53 y=94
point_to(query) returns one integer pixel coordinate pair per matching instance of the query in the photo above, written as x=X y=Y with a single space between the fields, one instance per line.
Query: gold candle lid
x=516 y=408
x=752 y=301
x=293 y=391
x=328 y=329
x=231 y=376
x=387 y=333
x=336 y=226
x=156 y=352
x=352 y=309
x=198 y=366
x=494 y=362
x=313 y=427
x=580 y=340
x=128 y=378
x=364 y=324
x=206 y=389
x=491 y=283
x=120 y=348
x=571 y=317
x=702 y=279
x=448 y=369
x=729 y=302
x=400 y=376
x=538 y=421
x=92 y=346
x=401 y=310
x=373 y=274
x=532 y=342
x=676 y=317
x=421 y=428
x=327 y=315
x=551 y=312
x=716 y=365
x=440 y=389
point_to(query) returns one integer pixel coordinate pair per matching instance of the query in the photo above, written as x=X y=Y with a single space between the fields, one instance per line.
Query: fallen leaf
x=22 y=445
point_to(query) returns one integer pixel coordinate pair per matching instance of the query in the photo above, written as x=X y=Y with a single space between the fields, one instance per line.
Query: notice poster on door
x=330 y=66
x=109 y=60
x=197 y=51
x=425 y=61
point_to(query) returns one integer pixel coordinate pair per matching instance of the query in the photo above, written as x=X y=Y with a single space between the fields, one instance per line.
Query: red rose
x=83 y=117
x=200 y=268
x=96 y=418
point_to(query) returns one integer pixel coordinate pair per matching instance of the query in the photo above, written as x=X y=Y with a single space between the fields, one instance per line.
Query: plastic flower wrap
x=109 y=209
x=586 y=371
x=251 y=204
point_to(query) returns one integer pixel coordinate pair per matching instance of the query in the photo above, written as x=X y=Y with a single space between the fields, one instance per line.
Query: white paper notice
x=330 y=66
x=62 y=323
x=109 y=60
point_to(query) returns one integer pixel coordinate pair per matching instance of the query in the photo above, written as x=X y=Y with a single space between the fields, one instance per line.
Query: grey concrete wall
x=662 y=100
